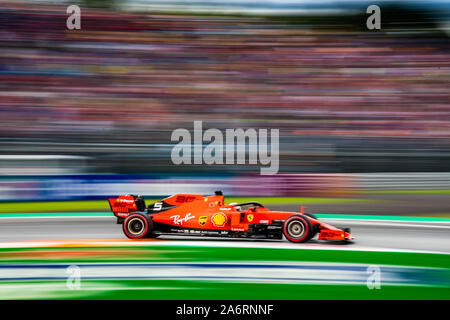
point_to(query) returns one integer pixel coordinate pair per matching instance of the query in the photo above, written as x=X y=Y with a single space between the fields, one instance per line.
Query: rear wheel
x=298 y=229
x=137 y=226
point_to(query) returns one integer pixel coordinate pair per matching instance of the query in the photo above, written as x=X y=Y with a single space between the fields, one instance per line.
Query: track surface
x=368 y=234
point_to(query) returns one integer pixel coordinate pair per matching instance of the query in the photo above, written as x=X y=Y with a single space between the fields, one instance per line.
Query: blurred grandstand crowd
x=345 y=99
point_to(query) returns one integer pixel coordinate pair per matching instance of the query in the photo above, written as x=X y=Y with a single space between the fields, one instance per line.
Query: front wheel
x=137 y=226
x=298 y=228
x=311 y=215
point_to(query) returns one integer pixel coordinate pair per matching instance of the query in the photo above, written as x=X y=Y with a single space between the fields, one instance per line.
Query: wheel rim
x=296 y=229
x=135 y=226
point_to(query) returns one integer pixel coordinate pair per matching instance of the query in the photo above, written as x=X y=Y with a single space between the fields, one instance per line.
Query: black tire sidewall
x=148 y=225
x=306 y=224
x=311 y=215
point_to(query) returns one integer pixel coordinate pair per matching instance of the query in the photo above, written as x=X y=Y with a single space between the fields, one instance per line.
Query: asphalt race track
x=397 y=235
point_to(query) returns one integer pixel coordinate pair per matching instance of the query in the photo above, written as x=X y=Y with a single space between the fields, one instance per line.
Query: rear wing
x=124 y=205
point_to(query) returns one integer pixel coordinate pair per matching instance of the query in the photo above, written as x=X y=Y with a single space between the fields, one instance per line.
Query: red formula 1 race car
x=195 y=214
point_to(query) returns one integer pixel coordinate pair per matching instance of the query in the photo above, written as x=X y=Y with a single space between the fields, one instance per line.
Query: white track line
x=200 y=244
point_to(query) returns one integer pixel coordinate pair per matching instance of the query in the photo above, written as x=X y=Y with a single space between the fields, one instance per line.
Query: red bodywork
x=198 y=212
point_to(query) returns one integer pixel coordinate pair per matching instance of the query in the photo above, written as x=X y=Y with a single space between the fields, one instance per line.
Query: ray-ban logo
x=179 y=221
x=229 y=149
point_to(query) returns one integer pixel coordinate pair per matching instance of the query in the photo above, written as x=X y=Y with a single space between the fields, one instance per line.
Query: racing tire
x=311 y=215
x=298 y=228
x=137 y=226
x=315 y=229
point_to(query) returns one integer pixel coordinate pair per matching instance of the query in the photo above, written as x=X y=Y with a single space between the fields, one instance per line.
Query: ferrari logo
x=250 y=217
x=202 y=220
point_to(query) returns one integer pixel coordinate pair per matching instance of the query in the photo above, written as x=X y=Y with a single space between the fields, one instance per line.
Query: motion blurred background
x=86 y=114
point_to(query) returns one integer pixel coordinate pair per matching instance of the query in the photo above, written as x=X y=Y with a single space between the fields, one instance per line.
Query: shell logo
x=219 y=219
